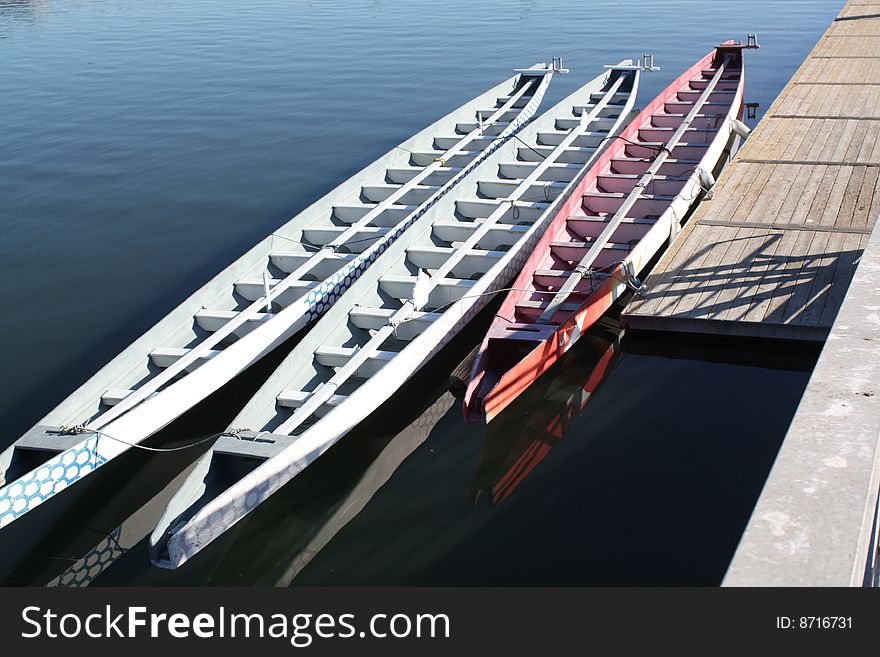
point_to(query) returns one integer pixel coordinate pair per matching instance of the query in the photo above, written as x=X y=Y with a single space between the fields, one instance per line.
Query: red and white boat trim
x=626 y=208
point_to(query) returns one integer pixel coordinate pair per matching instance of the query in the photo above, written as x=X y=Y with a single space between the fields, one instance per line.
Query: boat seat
x=479 y=208
x=557 y=172
x=545 y=191
x=389 y=216
x=414 y=195
x=474 y=262
x=571 y=155
x=445 y=292
x=293 y=399
x=252 y=445
x=326 y=266
x=166 y=356
x=377 y=318
x=439 y=176
x=496 y=236
x=445 y=142
x=339 y=356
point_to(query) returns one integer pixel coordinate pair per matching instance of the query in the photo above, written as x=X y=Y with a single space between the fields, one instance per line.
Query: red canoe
x=624 y=211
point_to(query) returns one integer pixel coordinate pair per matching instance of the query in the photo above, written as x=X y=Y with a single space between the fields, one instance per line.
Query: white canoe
x=399 y=314
x=262 y=299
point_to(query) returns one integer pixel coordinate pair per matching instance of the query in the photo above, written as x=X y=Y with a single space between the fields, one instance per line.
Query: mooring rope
x=80 y=429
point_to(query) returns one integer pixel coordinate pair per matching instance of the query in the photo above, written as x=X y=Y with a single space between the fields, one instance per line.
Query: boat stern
x=512 y=357
x=232 y=457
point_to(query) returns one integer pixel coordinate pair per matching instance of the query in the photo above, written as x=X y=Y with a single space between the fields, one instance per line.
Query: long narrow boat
x=263 y=298
x=630 y=204
x=399 y=314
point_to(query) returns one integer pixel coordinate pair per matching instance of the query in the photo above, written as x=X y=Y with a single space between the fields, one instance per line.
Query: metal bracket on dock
x=555 y=67
x=646 y=63
x=750 y=44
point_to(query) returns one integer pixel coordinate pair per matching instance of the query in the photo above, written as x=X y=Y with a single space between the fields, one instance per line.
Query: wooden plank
x=809 y=205
x=735 y=271
x=793 y=228
x=797 y=194
x=823 y=196
x=763 y=274
x=670 y=265
x=806 y=262
x=794 y=275
x=850 y=196
x=723 y=252
x=863 y=153
x=777 y=276
x=701 y=274
x=825 y=270
x=846 y=265
x=774 y=272
x=831 y=213
x=861 y=211
x=790 y=309
x=874 y=211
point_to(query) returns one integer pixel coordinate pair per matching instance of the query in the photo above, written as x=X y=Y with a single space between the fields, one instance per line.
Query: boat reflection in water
x=524 y=433
x=375 y=476
x=273 y=545
x=114 y=544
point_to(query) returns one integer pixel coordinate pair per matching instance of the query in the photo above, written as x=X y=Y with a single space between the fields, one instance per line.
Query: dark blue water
x=145 y=145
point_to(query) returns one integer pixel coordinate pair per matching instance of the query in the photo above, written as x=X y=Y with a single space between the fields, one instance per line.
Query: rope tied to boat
x=588 y=272
x=541 y=155
x=395 y=323
x=78 y=429
x=656 y=149
x=515 y=208
x=629 y=278
x=632 y=282
x=72 y=430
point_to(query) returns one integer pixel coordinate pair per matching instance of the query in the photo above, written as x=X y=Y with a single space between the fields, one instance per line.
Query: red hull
x=522 y=343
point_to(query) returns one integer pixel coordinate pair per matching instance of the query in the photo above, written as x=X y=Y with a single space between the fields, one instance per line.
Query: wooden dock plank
x=793 y=280
x=825 y=268
x=861 y=212
x=773 y=253
x=778 y=272
x=715 y=239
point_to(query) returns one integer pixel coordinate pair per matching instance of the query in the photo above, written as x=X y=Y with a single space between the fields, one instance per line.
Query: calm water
x=145 y=145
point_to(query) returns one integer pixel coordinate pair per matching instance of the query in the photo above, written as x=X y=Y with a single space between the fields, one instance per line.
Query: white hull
x=234 y=320
x=325 y=361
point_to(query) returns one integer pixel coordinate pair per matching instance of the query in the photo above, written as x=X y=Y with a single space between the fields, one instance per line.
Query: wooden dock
x=773 y=253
